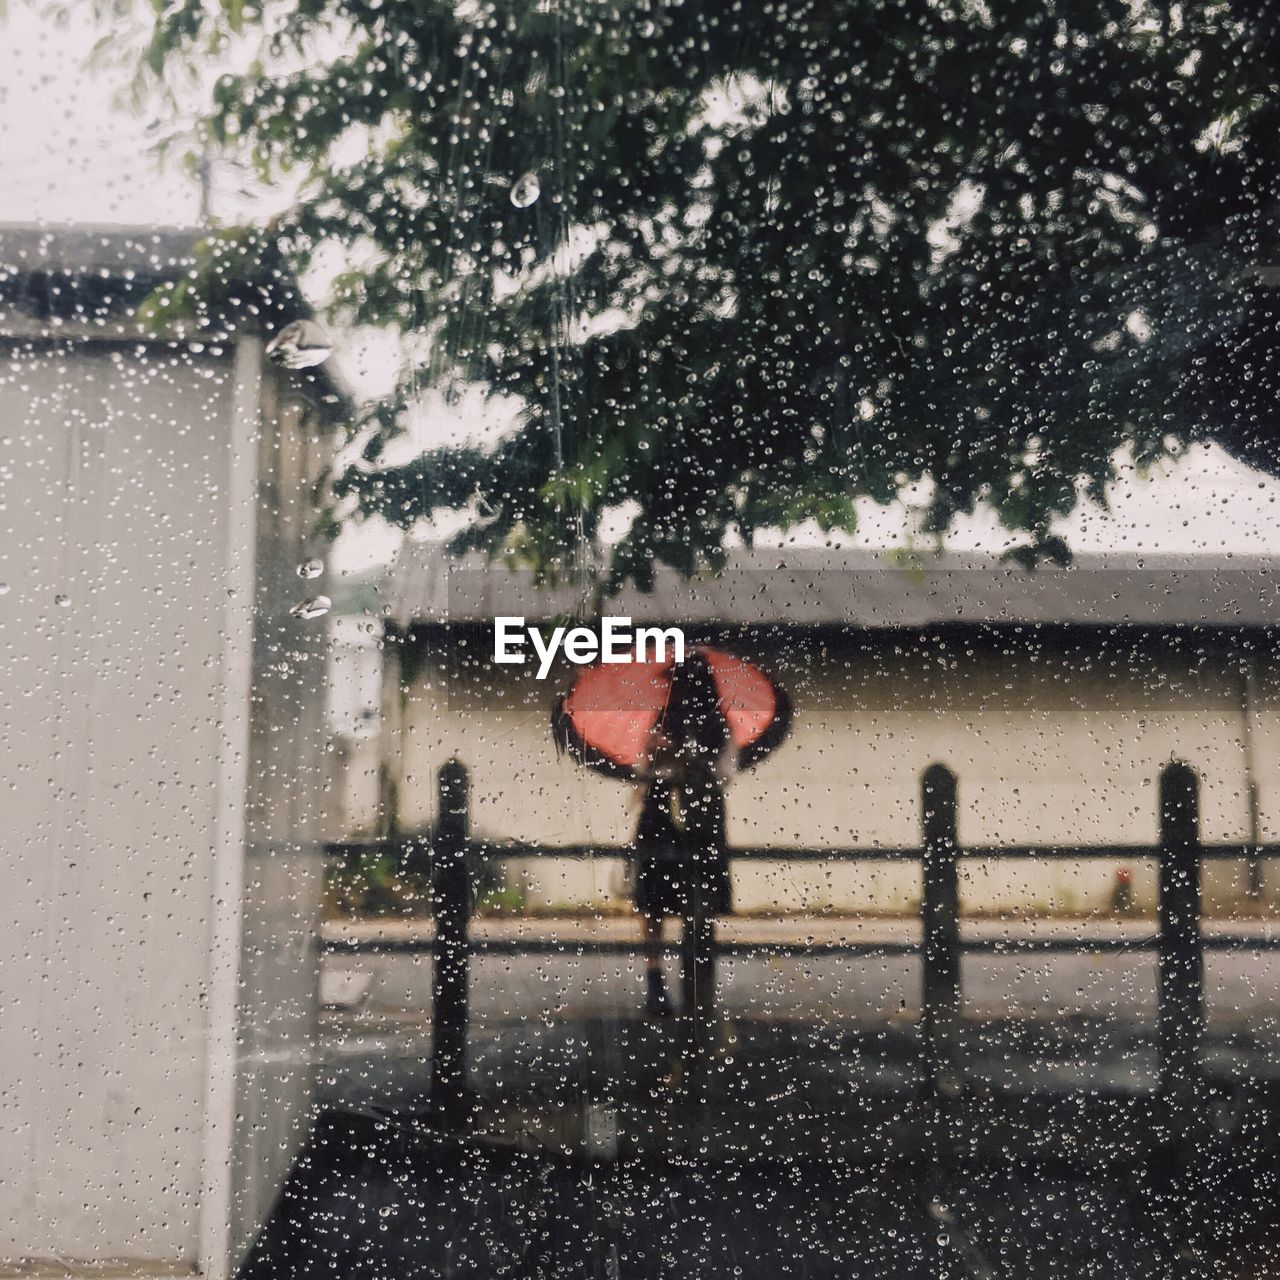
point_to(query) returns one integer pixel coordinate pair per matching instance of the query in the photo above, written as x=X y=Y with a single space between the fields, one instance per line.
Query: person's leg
x=651 y=927
x=656 y=1003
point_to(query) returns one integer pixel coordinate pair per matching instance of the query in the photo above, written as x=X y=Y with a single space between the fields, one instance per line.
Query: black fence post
x=698 y=967
x=705 y=837
x=1180 y=997
x=940 y=918
x=451 y=891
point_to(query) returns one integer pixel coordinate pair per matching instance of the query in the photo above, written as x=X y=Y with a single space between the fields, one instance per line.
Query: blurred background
x=918 y=360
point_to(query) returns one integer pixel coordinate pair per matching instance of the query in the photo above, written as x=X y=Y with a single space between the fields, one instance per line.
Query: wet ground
x=1045 y=1182
x=813 y=1149
x=376 y=1062
x=546 y=970
x=368 y=1204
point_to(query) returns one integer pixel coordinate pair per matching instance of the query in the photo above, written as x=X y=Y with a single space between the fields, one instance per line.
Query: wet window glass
x=638 y=639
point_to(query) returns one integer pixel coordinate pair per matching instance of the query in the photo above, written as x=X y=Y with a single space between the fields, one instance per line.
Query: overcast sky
x=69 y=153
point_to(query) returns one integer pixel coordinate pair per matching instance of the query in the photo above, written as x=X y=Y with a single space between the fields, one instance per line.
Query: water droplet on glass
x=311 y=568
x=4 y=588
x=312 y=607
x=62 y=601
x=525 y=190
x=301 y=344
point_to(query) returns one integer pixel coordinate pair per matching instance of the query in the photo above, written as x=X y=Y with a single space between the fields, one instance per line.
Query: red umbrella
x=612 y=717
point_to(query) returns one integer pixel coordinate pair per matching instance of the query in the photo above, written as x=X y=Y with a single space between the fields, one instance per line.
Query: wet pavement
x=387 y=1193
x=377 y=1064
x=365 y=1204
x=545 y=969
x=810 y=1153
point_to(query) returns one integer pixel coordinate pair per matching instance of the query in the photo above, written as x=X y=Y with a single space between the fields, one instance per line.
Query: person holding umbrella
x=680 y=728
x=680 y=835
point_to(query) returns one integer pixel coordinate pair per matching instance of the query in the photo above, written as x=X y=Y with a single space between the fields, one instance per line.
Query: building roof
x=86 y=282
x=157 y=253
x=865 y=590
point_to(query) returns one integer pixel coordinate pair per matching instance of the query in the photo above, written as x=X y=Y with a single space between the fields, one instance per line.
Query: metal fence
x=451 y=856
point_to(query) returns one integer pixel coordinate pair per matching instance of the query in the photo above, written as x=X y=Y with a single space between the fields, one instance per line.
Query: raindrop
x=525 y=190
x=62 y=601
x=4 y=588
x=311 y=568
x=312 y=607
x=301 y=344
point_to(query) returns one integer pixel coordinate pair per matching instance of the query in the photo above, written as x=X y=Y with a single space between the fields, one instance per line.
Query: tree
x=742 y=263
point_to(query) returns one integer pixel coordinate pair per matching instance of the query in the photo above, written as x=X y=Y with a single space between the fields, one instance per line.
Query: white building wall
x=109 y=753
x=289 y=816
x=143 y=1002
x=354 y=680
x=1051 y=746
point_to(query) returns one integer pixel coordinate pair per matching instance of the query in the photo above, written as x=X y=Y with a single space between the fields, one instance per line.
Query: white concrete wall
x=109 y=754
x=141 y=1000
x=354 y=680
x=1051 y=745
x=290 y=814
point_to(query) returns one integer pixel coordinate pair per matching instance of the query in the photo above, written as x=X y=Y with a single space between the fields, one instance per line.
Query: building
x=1055 y=696
x=163 y=756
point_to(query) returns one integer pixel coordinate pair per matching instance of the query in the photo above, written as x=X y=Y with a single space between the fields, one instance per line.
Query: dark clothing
x=680 y=842
x=662 y=888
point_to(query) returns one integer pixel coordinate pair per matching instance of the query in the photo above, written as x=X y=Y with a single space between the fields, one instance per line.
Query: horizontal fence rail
x=353 y=850
x=970 y=946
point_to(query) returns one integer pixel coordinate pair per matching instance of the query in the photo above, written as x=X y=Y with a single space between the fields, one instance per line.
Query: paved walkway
x=374 y=1199
x=472 y=1214
x=807 y=1041
x=844 y=1022
x=556 y=979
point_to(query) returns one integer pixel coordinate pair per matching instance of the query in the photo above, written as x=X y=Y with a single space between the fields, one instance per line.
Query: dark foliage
x=784 y=254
